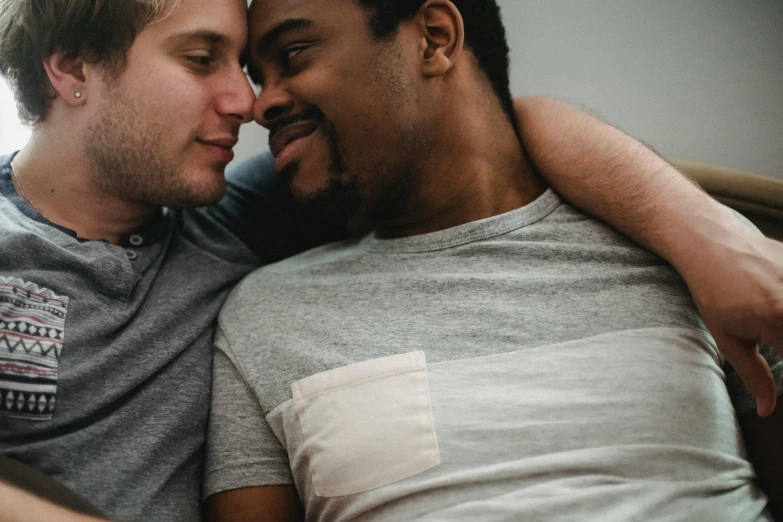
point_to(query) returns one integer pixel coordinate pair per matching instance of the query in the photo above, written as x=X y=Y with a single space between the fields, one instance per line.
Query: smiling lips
x=281 y=139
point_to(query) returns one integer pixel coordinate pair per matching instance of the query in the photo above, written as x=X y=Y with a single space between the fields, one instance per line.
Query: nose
x=273 y=103
x=237 y=98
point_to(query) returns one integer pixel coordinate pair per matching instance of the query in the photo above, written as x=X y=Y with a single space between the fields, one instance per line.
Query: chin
x=305 y=183
x=196 y=195
x=210 y=184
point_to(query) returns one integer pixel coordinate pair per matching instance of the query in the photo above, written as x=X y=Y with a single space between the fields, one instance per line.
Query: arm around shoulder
x=733 y=274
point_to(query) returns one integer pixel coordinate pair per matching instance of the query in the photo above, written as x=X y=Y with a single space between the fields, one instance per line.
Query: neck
x=57 y=180
x=476 y=169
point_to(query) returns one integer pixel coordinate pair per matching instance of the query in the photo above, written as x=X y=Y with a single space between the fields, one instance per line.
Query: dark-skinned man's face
x=342 y=106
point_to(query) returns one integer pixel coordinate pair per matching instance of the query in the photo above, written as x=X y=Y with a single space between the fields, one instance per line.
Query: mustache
x=308 y=113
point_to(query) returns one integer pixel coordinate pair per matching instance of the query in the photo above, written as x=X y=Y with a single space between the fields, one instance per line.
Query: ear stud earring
x=77 y=94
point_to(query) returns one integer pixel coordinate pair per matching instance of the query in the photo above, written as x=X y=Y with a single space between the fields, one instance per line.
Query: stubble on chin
x=351 y=204
x=335 y=210
x=130 y=160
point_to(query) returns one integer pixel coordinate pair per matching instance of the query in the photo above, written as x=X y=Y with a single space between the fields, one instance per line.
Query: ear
x=69 y=76
x=442 y=36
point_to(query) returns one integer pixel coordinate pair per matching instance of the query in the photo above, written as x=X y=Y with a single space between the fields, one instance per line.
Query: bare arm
x=20 y=506
x=762 y=440
x=735 y=276
x=255 y=504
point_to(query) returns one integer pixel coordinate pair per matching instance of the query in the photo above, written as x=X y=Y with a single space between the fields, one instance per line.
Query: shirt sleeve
x=743 y=401
x=260 y=210
x=242 y=449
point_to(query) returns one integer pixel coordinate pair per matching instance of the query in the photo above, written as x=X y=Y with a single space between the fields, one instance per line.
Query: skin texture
x=115 y=169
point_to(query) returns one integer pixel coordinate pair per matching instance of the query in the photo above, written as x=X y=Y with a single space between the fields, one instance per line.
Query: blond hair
x=98 y=31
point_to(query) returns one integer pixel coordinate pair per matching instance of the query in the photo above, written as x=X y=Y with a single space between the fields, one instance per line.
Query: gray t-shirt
x=531 y=366
x=105 y=350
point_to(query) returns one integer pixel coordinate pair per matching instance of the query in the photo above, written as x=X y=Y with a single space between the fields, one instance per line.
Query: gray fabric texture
x=569 y=378
x=117 y=409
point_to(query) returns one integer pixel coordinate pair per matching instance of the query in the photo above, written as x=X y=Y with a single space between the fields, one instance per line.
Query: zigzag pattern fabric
x=32 y=329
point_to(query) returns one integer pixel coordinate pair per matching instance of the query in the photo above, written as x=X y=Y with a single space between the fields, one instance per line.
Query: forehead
x=265 y=14
x=227 y=18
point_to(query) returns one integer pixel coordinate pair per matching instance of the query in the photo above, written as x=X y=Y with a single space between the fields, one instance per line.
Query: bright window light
x=13 y=135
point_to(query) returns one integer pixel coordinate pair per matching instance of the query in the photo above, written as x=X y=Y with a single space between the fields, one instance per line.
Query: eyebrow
x=269 y=38
x=199 y=35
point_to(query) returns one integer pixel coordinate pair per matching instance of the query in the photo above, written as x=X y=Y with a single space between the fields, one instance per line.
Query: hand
x=739 y=293
x=735 y=276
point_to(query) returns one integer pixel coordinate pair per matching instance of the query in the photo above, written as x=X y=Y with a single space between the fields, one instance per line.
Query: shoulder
x=580 y=237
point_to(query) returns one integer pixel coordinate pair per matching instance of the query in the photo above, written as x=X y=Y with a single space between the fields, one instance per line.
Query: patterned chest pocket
x=32 y=322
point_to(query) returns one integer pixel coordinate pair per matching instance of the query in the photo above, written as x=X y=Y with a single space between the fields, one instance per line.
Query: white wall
x=696 y=79
x=13 y=135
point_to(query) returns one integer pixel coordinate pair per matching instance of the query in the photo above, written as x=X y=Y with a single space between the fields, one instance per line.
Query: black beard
x=345 y=207
x=336 y=211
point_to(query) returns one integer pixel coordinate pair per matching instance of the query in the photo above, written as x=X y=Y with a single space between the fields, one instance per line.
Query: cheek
x=368 y=131
x=173 y=96
x=363 y=111
x=356 y=115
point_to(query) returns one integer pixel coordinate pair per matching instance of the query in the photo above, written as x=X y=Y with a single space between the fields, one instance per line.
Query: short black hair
x=484 y=35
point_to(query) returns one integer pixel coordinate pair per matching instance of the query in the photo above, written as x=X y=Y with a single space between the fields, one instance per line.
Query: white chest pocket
x=367 y=425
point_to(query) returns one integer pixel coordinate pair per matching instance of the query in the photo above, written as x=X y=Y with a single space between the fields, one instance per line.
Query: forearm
x=20 y=506
x=619 y=180
x=734 y=274
x=256 y=504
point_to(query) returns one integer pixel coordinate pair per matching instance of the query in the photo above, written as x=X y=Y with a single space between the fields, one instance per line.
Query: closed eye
x=291 y=52
x=200 y=60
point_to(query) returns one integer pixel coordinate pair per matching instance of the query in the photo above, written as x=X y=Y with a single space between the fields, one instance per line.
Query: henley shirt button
x=131 y=254
x=136 y=240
